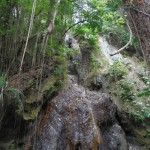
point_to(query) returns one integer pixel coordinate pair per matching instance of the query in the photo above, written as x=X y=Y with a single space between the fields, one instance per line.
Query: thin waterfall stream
x=108 y=49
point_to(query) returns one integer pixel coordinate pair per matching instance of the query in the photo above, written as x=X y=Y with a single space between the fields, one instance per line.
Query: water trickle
x=108 y=49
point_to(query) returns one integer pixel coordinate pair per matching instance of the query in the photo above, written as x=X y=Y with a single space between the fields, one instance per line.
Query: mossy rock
x=35 y=100
x=32 y=114
x=46 y=86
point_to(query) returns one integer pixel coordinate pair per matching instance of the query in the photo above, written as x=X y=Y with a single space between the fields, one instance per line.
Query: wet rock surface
x=78 y=119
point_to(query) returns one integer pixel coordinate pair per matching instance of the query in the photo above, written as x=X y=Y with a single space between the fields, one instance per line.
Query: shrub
x=92 y=39
x=95 y=63
x=141 y=113
x=86 y=35
x=146 y=80
x=117 y=70
x=60 y=65
x=126 y=90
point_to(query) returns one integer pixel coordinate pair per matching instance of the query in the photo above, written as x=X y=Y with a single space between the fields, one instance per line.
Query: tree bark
x=52 y=16
x=139 y=18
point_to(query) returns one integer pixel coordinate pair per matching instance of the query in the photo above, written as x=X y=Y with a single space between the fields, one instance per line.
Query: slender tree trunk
x=54 y=9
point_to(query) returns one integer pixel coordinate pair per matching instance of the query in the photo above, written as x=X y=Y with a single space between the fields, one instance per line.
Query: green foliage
x=138 y=116
x=113 y=5
x=69 y=52
x=135 y=42
x=92 y=12
x=59 y=70
x=86 y=35
x=147 y=92
x=146 y=80
x=117 y=70
x=95 y=63
x=60 y=65
x=126 y=90
x=82 y=30
x=11 y=91
x=115 y=28
x=141 y=114
x=92 y=39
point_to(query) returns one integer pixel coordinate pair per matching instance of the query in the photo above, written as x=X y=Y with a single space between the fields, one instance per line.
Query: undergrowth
x=125 y=90
x=117 y=70
x=8 y=93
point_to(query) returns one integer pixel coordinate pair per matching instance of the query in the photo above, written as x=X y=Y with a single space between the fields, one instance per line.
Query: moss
x=117 y=70
x=48 y=85
x=34 y=101
x=32 y=114
x=30 y=82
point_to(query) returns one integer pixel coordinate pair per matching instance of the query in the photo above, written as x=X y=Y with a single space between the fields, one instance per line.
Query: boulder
x=78 y=119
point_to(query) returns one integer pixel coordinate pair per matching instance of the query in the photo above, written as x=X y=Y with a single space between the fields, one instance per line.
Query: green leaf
x=147 y=92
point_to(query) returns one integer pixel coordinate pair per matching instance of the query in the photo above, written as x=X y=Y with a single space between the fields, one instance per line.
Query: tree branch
x=52 y=17
x=72 y=27
x=137 y=33
x=126 y=44
x=140 y=12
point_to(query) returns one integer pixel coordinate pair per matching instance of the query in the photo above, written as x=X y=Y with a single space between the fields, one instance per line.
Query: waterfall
x=108 y=49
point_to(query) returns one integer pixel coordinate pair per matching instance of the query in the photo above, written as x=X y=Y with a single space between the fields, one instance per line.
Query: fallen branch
x=126 y=44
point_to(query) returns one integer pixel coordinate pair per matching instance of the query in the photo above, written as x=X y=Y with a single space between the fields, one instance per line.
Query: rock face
x=78 y=119
x=134 y=147
x=97 y=83
x=114 y=138
x=83 y=60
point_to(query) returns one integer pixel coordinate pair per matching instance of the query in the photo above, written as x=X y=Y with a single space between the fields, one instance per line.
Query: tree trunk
x=140 y=19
